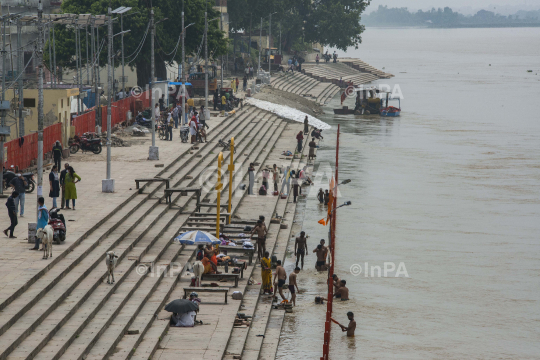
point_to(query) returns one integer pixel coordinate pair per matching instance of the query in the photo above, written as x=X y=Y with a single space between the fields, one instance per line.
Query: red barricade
x=22 y=156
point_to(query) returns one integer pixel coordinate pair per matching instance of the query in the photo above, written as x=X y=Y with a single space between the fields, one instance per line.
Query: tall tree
x=333 y=23
x=137 y=55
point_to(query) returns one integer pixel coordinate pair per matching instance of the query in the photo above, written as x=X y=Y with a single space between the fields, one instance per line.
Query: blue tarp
x=179 y=83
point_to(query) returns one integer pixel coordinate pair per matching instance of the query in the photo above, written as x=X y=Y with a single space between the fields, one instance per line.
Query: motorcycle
x=87 y=142
x=226 y=145
x=142 y=121
x=58 y=223
x=184 y=133
x=9 y=175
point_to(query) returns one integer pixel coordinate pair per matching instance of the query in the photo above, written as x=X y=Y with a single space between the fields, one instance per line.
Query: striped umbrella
x=197 y=237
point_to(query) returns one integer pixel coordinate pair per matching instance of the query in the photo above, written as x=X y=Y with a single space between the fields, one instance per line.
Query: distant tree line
x=446 y=17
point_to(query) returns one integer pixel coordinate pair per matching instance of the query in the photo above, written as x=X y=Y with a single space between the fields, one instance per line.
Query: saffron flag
x=322 y=222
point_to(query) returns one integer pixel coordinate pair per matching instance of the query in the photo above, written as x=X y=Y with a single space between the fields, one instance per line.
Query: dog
x=46 y=236
x=110 y=261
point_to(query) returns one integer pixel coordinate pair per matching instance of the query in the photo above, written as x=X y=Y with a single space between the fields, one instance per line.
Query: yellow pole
x=219 y=186
x=231 y=170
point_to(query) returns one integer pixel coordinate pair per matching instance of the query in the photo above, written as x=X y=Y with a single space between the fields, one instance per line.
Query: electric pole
x=39 y=55
x=3 y=121
x=107 y=185
x=77 y=44
x=205 y=62
x=260 y=47
x=20 y=67
x=182 y=79
x=154 y=152
x=269 y=46
x=123 y=75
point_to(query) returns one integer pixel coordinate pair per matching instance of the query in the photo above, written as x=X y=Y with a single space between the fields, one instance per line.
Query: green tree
x=333 y=23
x=167 y=33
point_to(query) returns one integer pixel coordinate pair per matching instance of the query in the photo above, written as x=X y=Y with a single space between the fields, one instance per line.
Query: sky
x=504 y=7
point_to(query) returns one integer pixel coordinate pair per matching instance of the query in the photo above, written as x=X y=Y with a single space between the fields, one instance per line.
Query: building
x=56 y=108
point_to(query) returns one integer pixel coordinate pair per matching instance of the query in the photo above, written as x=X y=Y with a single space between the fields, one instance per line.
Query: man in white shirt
x=157 y=112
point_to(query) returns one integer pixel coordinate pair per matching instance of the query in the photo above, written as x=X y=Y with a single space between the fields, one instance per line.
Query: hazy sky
x=465 y=6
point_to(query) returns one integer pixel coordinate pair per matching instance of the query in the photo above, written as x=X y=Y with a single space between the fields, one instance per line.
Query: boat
x=391 y=111
x=368 y=101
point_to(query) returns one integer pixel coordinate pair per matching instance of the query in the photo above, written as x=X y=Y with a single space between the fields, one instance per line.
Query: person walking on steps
x=12 y=213
x=71 y=190
x=296 y=187
x=306 y=126
x=54 y=182
x=57 y=154
x=300 y=139
x=43 y=220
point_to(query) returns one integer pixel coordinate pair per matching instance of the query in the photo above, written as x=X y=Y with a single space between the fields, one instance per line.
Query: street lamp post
x=107 y=185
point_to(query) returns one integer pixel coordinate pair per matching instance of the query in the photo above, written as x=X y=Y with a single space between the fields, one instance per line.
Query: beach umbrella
x=181 y=306
x=197 y=237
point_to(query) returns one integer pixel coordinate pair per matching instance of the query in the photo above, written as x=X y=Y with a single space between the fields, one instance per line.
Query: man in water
x=320 y=196
x=300 y=248
x=352 y=325
x=326 y=197
x=293 y=284
x=320 y=265
x=279 y=279
x=336 y=282
x=261 y=231
x=342 y=292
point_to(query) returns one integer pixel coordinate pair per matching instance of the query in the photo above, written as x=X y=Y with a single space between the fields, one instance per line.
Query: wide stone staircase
x=303 y=85
x=68 y=311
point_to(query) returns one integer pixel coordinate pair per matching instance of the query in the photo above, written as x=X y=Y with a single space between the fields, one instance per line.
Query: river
x=450 y=189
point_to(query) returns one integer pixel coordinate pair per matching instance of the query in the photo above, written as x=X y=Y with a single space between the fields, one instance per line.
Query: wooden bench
x=137 y=181
x=239 y=249
x=206 y=289
x=169 y=192
x=222 y=276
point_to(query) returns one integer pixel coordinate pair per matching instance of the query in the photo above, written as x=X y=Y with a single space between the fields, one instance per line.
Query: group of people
x=274 y=285
x=294 y=64
x=248 y=72
x=60 y=185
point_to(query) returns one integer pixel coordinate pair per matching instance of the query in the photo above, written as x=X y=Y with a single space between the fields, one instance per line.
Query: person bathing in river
x=300 y=248
x=261 y=230
x=293 y=284
x=279 y=279
x=320 y=265
x=342 y=292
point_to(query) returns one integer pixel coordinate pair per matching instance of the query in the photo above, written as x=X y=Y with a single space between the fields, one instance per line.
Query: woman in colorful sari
x=266 y=273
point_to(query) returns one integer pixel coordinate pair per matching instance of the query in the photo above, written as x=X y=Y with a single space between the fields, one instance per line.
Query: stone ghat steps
x=306 y=86
x=145 y=349
x=89 y=346
x=106 y=344
x=363 y=66
x=244 y=342
x=64 y=283
x=334 y=72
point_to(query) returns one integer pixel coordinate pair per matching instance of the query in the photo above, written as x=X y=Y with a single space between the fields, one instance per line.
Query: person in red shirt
x=300 y=138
